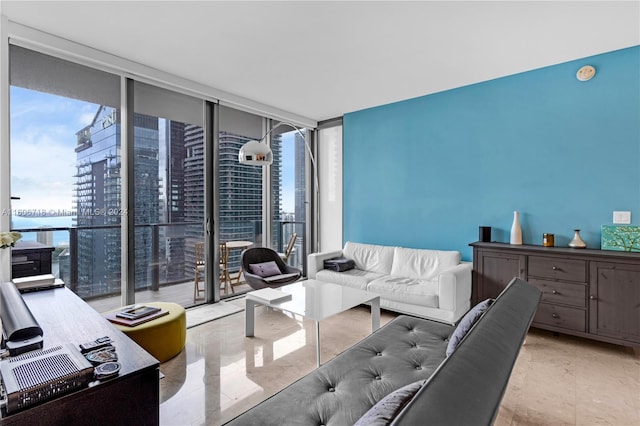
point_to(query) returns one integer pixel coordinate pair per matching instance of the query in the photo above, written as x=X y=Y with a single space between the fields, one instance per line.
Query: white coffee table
x=316 y=300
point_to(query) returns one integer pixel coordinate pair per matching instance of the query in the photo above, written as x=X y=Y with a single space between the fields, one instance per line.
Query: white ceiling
x=326 y=58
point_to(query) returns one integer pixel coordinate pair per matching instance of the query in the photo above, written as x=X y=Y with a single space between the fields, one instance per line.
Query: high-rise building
x=300 y=181
x=169 y=193
x=193 y=197
x=241 y=193
x=97 y=190
x=240 y=189
x=98 y=195
x=146 y=195
x=172 y=200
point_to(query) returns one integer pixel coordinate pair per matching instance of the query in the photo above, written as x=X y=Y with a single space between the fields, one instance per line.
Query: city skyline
x=43 y=139
x=67 y=159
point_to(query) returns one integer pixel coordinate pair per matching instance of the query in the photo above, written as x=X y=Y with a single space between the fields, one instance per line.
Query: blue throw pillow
x=386 y=410
x=466 y=323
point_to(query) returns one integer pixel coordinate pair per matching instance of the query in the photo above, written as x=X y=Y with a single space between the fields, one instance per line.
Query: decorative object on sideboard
x=577 y=242
x=7 y=240
x=548 y=240
x=586 y=73
x=485 y=234
x=516 y=231
x=620 y=238
x=5 y=265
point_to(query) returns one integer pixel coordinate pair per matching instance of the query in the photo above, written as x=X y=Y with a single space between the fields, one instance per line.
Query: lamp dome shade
x=255 y=153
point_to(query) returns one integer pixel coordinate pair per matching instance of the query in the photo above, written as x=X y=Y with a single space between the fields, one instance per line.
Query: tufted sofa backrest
x=463 y=389
x=474 y=377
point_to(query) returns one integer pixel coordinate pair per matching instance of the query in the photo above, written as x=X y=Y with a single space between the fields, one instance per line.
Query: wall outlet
x=622 y=218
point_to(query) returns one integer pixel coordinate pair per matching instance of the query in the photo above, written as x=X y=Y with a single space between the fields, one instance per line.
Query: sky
x=43 y=139
x=43 y=129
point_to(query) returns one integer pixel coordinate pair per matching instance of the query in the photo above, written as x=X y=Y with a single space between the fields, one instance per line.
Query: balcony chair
x=289 y=249
x=198 y=270
x=261 y=255
x=227 y=279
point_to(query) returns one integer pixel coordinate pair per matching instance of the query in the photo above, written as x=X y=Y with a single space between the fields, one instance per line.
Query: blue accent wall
x=426 y=172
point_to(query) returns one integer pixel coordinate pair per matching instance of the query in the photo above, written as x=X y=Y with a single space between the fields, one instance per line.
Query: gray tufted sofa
x=465 y=388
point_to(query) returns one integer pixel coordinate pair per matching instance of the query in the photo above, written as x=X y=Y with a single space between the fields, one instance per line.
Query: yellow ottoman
x=162 y=337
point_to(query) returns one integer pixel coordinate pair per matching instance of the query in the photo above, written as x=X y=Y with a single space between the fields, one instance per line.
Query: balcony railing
x=90 y=262
x=287 y=228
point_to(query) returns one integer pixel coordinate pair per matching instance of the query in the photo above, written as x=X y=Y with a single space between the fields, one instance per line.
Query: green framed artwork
x=620 y=238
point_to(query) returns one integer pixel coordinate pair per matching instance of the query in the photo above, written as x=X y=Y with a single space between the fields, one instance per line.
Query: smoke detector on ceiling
x=586 y=73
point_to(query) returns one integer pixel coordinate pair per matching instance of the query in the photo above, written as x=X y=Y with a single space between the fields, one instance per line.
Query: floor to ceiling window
x=168 y=175
x=330 y=174
x=69 y=139
x=241 y=193
x=66 y=167
x=65 y=158
x=288 y=181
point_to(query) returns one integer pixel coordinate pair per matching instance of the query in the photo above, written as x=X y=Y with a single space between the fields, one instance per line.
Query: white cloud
x=43 y=138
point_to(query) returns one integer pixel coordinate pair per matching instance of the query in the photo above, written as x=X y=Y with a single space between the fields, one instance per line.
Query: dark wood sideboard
x=130 y=398
x=30 y=258
x=585 y=292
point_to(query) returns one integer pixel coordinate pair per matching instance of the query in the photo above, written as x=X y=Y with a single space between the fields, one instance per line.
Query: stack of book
x=134 y=315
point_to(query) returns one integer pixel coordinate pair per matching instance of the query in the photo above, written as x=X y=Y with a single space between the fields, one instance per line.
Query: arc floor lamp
x=258 y=153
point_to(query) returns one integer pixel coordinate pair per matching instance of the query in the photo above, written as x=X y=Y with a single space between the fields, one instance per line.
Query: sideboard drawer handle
x=592 y=297
x=554 y=268
x=555 y=292
x=554 y=315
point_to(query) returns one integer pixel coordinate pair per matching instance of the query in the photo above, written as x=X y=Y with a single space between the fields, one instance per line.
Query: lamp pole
x=315 y=174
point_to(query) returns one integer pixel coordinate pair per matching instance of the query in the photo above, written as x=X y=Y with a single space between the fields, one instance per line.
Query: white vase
x=516 y=231
x=577 y=241
x=5 y=265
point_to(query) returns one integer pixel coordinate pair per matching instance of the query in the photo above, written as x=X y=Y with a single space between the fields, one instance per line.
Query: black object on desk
x=20 y=330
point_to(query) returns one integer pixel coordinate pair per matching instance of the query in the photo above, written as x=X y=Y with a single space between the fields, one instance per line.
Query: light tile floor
x=558 y=380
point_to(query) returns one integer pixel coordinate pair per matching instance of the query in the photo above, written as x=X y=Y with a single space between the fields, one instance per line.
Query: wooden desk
x=131 y=398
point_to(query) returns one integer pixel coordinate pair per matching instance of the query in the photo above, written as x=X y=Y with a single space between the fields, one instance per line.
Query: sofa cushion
x=466 y=323
x=422 y=263
x=407 y=290
x=385 y=410
x=354 y=278
x=370 y=257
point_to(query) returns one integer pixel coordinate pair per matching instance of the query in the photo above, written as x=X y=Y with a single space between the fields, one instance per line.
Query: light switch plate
x=622 y=218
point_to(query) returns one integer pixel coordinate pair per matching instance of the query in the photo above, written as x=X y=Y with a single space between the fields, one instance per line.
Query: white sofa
x=432 y=284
